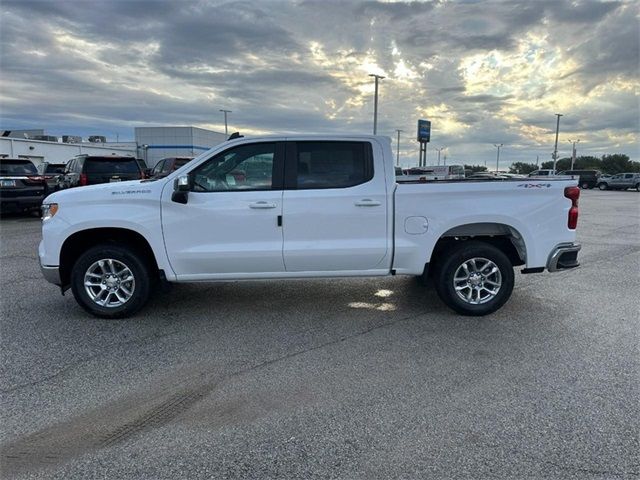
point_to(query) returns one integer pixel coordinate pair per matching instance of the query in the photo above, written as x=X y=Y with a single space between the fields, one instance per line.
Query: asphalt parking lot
x=353 y=379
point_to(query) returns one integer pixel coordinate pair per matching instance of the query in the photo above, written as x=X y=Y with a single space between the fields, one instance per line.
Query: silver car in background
x=621 y=181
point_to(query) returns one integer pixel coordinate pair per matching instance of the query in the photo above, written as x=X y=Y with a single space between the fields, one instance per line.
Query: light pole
x=439 y=150
x=375 y=103
x=573 y=151
x=498 y=158
x=226 y=129
x=555 y=148
x=398 y=148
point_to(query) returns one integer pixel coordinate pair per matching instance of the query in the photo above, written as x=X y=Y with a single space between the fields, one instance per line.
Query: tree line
x=610 y=164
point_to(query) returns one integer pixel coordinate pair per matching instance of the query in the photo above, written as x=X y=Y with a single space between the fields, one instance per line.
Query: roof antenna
x=235 y=135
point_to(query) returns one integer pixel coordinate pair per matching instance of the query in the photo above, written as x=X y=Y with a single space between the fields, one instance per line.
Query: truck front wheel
x=475 y=279
x=111 y=281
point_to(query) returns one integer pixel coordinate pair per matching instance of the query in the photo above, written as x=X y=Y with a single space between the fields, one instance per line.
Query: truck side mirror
x=181 y=187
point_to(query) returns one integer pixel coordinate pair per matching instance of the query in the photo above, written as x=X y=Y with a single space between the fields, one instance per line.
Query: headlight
x=49 y=210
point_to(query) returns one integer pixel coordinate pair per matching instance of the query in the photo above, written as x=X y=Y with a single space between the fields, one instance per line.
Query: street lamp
x=439 y=150
x=398 y=148
x=498 y=158
x=573 y=151
x=555 y=148
x=375 y=103
x=226 y=130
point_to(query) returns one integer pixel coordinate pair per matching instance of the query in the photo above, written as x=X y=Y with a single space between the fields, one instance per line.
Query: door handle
x=262 y=205
x=367 y=202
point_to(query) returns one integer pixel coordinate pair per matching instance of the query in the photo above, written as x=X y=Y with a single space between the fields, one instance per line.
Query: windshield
x=17 y=167
x=111 y=165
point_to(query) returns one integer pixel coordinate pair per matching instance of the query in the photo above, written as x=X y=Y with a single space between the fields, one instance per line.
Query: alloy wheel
x=109 y=283
x=477 y=281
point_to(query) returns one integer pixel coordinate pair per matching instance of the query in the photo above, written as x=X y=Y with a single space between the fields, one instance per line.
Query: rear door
x=616 y=181
x=334 y=207
x=628 y=180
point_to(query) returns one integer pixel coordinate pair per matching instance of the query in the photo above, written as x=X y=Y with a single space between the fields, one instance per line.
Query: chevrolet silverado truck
x=304 y=207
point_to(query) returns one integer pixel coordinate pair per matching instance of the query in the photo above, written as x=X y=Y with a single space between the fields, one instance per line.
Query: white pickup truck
x=304 y=207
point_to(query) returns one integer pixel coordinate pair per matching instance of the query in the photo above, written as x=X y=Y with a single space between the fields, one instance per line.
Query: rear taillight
x=573 y=194
x=34 y=179
x=83 y=179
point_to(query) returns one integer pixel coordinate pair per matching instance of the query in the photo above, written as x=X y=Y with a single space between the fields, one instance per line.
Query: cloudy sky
x=483 y=72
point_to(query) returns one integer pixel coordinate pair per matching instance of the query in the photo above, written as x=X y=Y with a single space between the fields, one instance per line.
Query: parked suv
x=621 y=181
x=588 y=178
x=21 y=186
x=90 y=170
x=167 y=165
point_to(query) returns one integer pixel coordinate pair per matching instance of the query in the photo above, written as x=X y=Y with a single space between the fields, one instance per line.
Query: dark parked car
x=167 y=165
x=21 y=187
x=52 y=173
x=621 y=181
x=587 y=178
x=91 y=170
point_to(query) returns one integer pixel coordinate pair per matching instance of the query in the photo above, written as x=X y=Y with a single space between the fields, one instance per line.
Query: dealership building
x=151 y=144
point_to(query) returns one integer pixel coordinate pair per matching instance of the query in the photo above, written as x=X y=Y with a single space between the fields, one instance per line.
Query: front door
x=335 y=208
x=229 y=226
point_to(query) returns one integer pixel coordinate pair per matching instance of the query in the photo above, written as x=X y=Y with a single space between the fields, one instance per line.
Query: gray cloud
x=301 y=66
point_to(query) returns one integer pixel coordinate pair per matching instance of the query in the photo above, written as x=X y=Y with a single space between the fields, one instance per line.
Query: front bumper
x=51 y=274
x=563 y=257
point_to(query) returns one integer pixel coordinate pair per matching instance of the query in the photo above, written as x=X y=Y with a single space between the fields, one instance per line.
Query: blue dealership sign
x=424 y=131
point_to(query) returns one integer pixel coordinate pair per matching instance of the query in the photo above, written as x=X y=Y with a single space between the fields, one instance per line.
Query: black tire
x=637 y=187
x=585 y=185
x=602 y=186
x=454 y=259
x=122 y=255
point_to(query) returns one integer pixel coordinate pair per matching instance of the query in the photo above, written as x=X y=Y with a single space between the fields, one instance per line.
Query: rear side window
x=333 y=164
x=111 y=165
x=17 y=167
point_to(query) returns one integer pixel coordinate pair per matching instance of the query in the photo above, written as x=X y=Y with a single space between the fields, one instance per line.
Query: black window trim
x=277 y=172
x=291 y=164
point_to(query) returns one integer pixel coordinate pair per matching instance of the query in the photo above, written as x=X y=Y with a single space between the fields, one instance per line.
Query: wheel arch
x=82 y=240
x=502 y=236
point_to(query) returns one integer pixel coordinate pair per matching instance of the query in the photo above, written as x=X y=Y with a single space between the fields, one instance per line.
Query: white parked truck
x=304 y=207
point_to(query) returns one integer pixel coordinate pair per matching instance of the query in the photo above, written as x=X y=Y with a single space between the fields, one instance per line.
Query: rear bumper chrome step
x=563 y=257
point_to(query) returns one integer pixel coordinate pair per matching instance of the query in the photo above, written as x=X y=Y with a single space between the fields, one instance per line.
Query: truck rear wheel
x=475 y=279
x=111 y=281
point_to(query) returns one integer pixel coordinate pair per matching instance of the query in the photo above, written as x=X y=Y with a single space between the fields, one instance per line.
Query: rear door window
x=322 y=165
